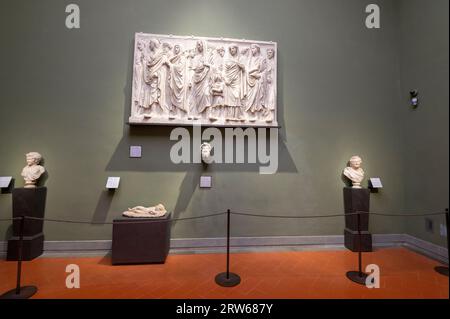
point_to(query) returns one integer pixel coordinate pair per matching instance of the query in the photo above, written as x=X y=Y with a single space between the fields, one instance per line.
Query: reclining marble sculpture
x=354 y=172
x=208 y=81
x=33 y=171
x=141 y=211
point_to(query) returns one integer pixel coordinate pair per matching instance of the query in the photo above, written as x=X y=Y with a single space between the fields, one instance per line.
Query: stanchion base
x=442 y=270
x=231 y=281
x=357 y=277
x=25 y=293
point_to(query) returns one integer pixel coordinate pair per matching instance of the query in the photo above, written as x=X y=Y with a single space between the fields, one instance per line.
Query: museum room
x=224 y=151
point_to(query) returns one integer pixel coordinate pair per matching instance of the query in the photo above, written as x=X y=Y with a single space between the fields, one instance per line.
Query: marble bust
x=206 y=152
x=141 y=211
x=33 y=171
x=354 y=172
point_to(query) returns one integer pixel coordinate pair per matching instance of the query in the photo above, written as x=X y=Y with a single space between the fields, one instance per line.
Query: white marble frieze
x=209 y=81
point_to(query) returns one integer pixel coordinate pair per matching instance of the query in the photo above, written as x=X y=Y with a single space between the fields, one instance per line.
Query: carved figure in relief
x=138 y=75
x=215 y=111
x=235 y=86
x=270 y=88
x=178 y=73
x=255 y=103
x=155 y=76
x=199 y=97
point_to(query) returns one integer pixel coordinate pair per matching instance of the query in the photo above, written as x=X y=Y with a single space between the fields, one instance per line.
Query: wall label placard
x=5 y=181
x=205 y=181
x=135 y=151
x=113 y=182
x=376 y=182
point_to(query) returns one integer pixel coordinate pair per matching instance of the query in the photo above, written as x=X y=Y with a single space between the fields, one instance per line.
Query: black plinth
x=357 y=200
x=228 y=279
x=442 y=270
x=351 y=240
x=140 y=240
x=24 y=293
x=356 y=276
x=28 y=202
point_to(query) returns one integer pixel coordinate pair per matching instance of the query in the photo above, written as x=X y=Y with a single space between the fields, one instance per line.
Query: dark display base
x=442 y=270
x=356 y=276
x=32 y=247
x=357 y=200
x=351 y=240
x=29 y=202
x=140 y=240
x=25 y=293
x=232 y=280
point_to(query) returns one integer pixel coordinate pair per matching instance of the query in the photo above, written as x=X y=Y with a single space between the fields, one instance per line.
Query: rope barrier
x=139 y=220
x=335 y=215
x=136 y=221
x=407 y=215
x=10 y=219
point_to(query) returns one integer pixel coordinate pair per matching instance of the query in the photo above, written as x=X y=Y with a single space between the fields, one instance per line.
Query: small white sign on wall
x=205 y=181
x=135 y=151
x=5 y=181
x=376 y=182
x=113 y=182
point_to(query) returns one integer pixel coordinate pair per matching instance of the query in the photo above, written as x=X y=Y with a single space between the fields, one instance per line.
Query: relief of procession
x=231 y=82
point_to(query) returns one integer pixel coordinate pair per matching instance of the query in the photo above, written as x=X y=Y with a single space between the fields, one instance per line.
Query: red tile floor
x=306 y=274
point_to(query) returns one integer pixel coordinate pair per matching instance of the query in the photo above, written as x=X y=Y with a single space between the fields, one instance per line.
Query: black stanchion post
x=228 y=279
x=441 y=269
x=20 y=292
x=358 y=276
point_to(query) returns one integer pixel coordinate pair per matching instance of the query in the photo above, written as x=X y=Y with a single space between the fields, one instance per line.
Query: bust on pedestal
x=356 y=199
x=29 y=201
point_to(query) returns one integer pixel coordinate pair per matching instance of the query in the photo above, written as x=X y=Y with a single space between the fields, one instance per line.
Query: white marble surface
x=33 y=171
x=354 y=171
x=189 y=80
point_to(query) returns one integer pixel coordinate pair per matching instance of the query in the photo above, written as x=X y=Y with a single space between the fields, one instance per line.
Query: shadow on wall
x=156 y=146
x=103 y=206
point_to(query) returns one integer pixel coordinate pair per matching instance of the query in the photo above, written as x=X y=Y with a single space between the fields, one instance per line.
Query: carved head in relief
x=200 y=46
x=270 y=53
x=176 y=49
x=233 y=49
x=154 y=44
x=221 y=51
x=140 y=45
x=256 y=49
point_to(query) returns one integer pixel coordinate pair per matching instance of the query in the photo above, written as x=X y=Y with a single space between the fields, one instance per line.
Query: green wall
x=66 y=94
x=424 y=65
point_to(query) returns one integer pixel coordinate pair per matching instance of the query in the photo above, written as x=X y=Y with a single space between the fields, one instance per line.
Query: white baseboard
x=244 y=244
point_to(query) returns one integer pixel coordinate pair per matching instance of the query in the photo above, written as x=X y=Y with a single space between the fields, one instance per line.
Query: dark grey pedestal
x=28 y=202
x=140 y=240
x=357 y=200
